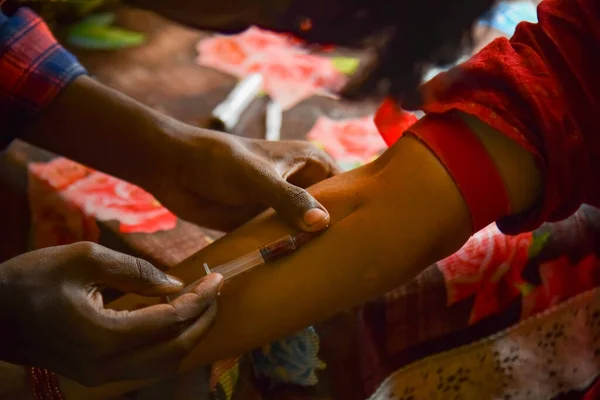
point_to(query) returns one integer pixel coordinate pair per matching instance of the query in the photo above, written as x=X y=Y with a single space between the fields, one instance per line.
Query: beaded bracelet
x=44 y=384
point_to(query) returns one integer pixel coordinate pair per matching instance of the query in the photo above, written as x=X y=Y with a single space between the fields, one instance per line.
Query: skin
x=60 y=286
x=215 y=180
x=400 y=214
x=210 y=178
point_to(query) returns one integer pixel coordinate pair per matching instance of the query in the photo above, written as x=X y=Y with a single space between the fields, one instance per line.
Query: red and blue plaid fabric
x=34 y=68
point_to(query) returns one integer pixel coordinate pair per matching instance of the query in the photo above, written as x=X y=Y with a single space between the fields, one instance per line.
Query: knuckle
x=135 y=268
x=177 y=322
x=147 y=271
x=141 y=269
x=86 y=250
x=296 y=194
x=310 y=150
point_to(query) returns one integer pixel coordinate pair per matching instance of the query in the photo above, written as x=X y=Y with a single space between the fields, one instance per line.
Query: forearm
x=384 y=232
x=377 y=241
x=104 y=129
x=390 y=219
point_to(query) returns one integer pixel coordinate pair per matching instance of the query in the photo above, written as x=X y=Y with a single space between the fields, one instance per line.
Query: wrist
x=175 y=144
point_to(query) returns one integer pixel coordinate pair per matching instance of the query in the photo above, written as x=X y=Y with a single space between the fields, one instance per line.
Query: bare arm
x=391 y=219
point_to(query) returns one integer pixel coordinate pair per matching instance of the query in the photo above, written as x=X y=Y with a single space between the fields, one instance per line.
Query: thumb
x=294 y=204
x=133 y=275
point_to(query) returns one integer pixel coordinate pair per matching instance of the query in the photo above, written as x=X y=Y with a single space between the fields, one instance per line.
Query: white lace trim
x=551 y=353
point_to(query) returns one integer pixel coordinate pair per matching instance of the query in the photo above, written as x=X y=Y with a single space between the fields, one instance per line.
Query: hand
x=213 y=179
x=53 y=316
x=221 y=181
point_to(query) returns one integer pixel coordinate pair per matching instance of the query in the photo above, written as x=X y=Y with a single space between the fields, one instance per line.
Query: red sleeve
x=541 y=89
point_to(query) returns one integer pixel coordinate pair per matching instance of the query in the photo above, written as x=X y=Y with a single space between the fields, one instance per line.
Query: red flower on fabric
x=290 y=74
x=488 y=266
x=290 y=78
x=108 y=198
x=352 y=140
x=255 y=39
x=66 y=198
x=225 y=54
x=561 y=280
x=59 y=173
x=54 y=219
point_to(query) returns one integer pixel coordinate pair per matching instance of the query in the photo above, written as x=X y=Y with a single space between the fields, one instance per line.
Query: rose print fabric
x=68 y=197
x=489 y=267
x=55 y=220
x=350 y=142
x=290 y=73
x=493 y=283
x=551 y=356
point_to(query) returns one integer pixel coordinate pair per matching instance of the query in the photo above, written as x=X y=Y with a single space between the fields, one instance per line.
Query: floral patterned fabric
x=350 y=142
x=492 y=283
x=89 y=195
x=554 y=353
x=291 y=74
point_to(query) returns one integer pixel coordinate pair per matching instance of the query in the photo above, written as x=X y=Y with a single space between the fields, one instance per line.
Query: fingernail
x=174 y=281
x=220 y=285
x=316 y=217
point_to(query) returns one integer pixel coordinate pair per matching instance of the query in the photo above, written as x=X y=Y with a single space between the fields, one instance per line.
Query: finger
x=311 y=172
x=163 y=321
x=293 y=203
x=318 y=162
x=127 y=273
x=163 y=360
x=324 y=158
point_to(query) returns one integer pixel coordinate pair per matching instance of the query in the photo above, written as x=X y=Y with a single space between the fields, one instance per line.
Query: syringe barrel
x=285 y=246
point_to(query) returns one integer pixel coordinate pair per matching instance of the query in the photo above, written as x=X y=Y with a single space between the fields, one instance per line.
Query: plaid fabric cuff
x=34 y=69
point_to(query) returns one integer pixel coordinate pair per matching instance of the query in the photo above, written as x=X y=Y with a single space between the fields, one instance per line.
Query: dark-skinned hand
x=53 y=315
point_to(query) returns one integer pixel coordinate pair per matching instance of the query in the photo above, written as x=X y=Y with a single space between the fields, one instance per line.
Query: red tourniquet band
x=392 y=121
x=463 y=155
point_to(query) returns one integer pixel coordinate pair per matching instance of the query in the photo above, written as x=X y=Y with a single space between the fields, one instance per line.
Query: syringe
x=264 y=255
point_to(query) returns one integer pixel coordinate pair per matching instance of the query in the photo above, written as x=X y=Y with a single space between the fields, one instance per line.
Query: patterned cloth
x=34 y=69
x=544 y=357
x=493 y=283
x=293 y=360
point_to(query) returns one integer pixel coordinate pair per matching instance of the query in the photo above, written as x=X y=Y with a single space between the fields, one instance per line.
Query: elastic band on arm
x=469 y=164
